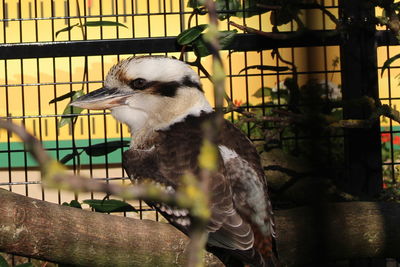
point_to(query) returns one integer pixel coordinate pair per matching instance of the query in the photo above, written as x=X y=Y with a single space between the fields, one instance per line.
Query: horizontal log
x=47 y=231
x=327 y=232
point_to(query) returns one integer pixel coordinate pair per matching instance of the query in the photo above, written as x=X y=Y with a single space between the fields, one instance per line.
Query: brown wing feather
x=176 y=152
x=250 y=192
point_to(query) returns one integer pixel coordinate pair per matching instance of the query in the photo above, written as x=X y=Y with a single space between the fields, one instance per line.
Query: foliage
x=4 y=263
x=109 y=205
x=98 y=23
x=391 y=172
x=103 y=205
x=70 y=112
x=194 y=37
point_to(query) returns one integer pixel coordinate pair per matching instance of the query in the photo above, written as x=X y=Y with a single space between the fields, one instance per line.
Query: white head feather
x=144 y=112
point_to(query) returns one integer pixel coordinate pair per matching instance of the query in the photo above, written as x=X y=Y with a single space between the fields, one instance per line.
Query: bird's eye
x=138 y=83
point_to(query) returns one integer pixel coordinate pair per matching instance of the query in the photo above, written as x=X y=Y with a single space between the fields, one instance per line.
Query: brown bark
x=338 y=231
x=42 y=230
x=326 y=232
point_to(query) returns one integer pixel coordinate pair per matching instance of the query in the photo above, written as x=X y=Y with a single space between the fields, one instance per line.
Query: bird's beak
x=103 y=98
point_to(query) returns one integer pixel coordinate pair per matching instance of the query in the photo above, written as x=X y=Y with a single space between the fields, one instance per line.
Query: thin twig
x=265 y=119
x=197 y=63
x=270 y=7
x=272 y=35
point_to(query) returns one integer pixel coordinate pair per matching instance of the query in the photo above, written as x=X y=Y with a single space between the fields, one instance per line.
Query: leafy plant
x=194 y=37
x=4 y=263
x=70 y=113
x=103 y=205
x=99 y=23
x=109 y=205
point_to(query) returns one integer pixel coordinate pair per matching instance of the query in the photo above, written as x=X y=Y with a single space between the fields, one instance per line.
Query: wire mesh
x=27 y=85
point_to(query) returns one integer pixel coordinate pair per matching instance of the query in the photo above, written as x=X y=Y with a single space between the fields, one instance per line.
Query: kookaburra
x=162 y=102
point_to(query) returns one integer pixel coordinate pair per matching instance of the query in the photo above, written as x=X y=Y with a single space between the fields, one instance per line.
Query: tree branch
x=42 y=230
x=328 y=232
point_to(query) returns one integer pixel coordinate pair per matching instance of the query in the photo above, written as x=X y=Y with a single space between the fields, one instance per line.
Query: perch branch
x=42 y=230
x=327 y=232
x=189 y=194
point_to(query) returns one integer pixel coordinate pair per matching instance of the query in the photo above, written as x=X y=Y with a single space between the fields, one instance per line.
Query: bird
x=162 y=101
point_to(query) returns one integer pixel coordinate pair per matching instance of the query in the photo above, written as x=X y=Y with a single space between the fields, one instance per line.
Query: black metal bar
x=359 y=79
x=242 y=42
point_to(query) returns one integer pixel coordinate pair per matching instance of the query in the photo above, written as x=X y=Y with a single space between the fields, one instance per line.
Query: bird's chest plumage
x=170 y=154
x=237 y=191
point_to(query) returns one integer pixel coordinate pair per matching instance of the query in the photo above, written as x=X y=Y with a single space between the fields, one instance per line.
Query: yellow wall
x=33 y=71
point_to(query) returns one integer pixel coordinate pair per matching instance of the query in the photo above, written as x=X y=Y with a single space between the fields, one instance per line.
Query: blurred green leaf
x=251 y=8
x=196 y=3
x=265 y=67
x=60 y=98
x=226 y=38
x=3 y=262
x=105 y=148
x=285 y=14
x=70 y=112
x=267 y=91
x=200 y=48
x=388 y=62
x=100 y=23
x=66 y=29
x=227 y=5
x=68 y=157
x=73 y=204
x=188 y=36
x=109 y=205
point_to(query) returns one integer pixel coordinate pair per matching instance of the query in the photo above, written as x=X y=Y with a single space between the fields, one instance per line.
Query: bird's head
x=149 y=93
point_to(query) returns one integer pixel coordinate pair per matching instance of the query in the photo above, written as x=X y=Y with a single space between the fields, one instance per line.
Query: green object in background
x=99 y=152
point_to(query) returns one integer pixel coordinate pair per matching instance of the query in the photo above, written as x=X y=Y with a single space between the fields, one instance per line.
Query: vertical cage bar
x=359 y=79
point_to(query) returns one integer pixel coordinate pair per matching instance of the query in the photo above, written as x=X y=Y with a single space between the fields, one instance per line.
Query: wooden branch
x=42 y=230
x=338 y=231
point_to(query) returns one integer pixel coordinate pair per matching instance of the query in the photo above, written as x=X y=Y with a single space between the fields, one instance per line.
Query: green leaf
x=288 y=12
x=73 y=204
x=100 y=23
x=109 y=205
x=265 y=67
x=195 y=3
x=251 y=8
x=200 y=48
x=66 y=29
x=388 y=62
x=226 y=38
x=3 y=262
x=68 y=157
x=226 y=5
x=105 y=148
x=188 y=36
x=266 y=90
x=60 y=98
x=70 y=111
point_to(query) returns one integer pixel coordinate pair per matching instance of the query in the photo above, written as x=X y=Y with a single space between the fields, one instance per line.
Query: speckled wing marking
x=175 y=153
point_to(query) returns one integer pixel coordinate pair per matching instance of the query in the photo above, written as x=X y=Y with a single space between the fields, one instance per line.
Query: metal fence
x=39 y=63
